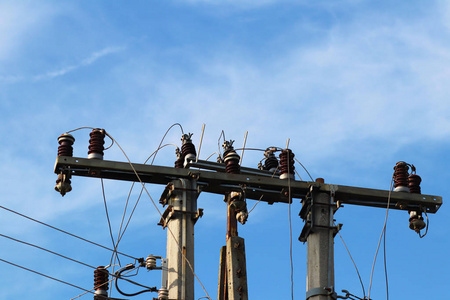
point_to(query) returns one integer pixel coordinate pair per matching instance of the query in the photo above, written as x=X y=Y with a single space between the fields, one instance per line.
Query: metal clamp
x=324 y=291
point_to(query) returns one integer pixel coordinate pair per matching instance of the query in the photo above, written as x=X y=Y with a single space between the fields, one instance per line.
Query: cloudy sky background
x=355 y=85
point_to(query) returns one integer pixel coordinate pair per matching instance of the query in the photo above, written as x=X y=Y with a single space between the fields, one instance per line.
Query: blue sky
x=355 y=85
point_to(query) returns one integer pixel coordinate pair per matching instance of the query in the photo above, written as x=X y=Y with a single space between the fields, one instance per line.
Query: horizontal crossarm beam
x=257 y=187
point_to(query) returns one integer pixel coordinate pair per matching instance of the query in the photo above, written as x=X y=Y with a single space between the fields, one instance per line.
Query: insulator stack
x=287 y=169
x=271 y=162
x=65 y=144
x=231 y=158
x=414 y=183
x=150 y=262
x=163 y=294
x=96 y=143
x=187 y=148
x=401 y=177
x=101 y=282
x=179 y=163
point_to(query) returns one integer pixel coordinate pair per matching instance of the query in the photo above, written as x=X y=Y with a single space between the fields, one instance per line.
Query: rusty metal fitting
x=416 y=222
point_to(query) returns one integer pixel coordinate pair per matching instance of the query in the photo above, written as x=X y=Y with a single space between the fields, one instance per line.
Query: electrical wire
x=354 y=264
x=274 y=172
x=304 y=168
x=218 y=143
x=428 y=222
x=118 y=275
x=46 y=276
x=121 y=233
x=49 y=251
x=182 y=132
x=65 y=232
x=383 y=232
x=92 y=128
x=157 y=209
x=91 y=290
x=260 y=198
x=109 y=221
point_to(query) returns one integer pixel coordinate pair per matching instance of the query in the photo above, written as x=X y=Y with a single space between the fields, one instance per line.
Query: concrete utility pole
x=319 y=202
x=320 y=247
x=179 y=218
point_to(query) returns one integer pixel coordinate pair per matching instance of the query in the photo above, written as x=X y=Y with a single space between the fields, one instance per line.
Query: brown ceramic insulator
x=96 y=143
x=65 y=144
x=401 y=174
x=188 y=148
x=101 y=278
x=414 y=183
x=231 y=159
x=287 y=162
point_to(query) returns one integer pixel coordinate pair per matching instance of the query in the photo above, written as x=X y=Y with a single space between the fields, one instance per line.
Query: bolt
x=239 y=273
x=240 y=290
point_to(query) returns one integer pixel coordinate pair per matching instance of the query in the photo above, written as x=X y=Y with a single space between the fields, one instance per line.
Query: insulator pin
x=287 y=169
x=96 y=142
x=65 y=141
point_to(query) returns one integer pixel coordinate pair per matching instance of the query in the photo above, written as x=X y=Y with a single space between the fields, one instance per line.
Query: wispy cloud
x=85 y=62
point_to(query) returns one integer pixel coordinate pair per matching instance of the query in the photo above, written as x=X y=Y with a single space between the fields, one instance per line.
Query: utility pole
x=179 y=218
x=319 y=203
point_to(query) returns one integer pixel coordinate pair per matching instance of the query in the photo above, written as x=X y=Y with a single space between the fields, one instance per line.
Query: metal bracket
x=324 y=291
x=308 y=205
x=167 y=215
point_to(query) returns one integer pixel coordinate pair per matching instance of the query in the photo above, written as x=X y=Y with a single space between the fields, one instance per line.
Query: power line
x=49 y=251
x=354 y=264
x=159 y=212
x=383 y=233
x=65 y=232
x=49 y=277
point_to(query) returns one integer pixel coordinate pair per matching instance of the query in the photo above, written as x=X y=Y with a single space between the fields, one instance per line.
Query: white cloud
x=367 y=79
x=85 y=62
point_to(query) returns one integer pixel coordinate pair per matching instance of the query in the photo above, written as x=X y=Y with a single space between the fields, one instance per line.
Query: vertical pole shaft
x=180 y=241
x=320 y=249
